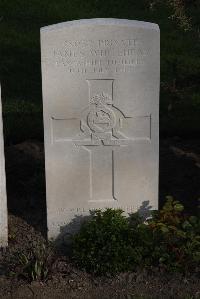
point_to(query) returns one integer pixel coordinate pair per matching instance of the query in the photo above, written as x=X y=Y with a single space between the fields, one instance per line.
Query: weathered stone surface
x=3 y=197
x=101 y=117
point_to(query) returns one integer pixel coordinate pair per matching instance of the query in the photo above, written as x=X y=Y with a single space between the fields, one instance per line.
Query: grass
x=22 y=120
x=20 y=74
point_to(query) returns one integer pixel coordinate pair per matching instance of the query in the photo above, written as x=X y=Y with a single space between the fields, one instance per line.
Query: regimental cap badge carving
x=102 y=121
x=101 y=98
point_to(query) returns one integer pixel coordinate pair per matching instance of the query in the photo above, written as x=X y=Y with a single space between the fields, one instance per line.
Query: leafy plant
x=111 y=243
x=35 y=264
x=176 y=237
x=103 y=244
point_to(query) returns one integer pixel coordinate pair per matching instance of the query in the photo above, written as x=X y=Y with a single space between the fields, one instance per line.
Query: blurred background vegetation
x=20 y=72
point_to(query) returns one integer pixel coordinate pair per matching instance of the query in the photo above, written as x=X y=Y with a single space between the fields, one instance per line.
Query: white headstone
x=101 y=117
x=3 y=197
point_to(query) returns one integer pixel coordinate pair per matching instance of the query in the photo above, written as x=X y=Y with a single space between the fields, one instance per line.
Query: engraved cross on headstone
x=103 y=128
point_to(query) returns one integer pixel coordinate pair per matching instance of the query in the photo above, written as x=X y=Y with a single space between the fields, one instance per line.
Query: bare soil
x=179 y=177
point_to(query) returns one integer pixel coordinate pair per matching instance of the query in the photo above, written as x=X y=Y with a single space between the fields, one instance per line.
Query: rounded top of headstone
x=102 y=21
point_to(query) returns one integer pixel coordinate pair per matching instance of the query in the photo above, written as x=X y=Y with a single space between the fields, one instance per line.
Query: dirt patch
x=116 y=290
x=73 y=283
x=25 y=177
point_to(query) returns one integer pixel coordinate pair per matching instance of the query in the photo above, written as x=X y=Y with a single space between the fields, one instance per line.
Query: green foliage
x=21 y=117
x=33 y=265
x=179 y=11
x=177 y=238
x=111 y=243
x=103 y=244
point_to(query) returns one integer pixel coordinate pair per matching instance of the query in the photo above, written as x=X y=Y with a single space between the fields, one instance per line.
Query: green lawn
x=20 y=75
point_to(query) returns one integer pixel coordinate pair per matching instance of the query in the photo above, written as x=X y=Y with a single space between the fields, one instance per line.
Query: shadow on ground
x=26 y=183
x=180 y=172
